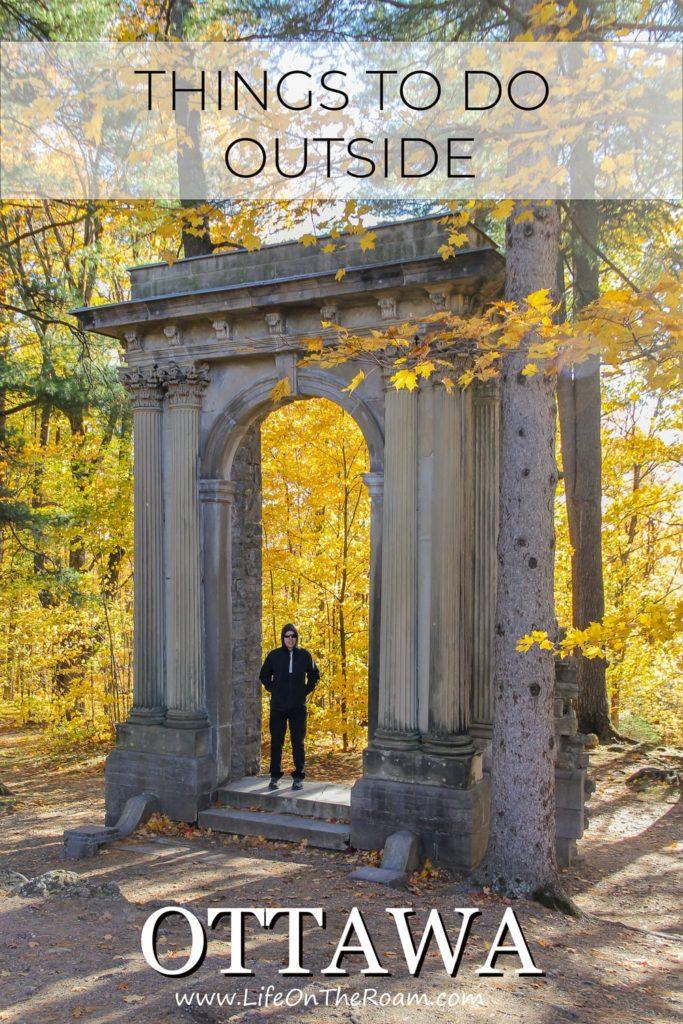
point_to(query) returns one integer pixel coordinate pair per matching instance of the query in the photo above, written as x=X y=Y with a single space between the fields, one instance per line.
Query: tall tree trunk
x=191 y=174
x=580 y=420
x=520 y=859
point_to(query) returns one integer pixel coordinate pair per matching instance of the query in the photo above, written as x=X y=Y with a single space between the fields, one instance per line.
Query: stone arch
x=228 y=460
x=254 y=402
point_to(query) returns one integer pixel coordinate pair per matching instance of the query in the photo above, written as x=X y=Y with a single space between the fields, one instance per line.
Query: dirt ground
x=78 y=958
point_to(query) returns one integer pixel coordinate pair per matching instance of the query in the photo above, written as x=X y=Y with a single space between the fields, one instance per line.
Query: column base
x=146 y=716
x=453 y=824
x=175 y=765
x=179 y=719
x=386 y=739
x=453 y=745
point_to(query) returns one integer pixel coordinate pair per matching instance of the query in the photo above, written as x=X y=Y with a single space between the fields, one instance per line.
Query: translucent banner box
x=290 y=121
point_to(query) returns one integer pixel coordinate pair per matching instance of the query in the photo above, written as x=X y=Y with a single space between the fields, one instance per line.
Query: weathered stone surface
x=182 y=783
x=401 y=852
x=87 y=840
x=324 y=800
x=453 y=824
x=246 y=607
x=381 y=876
x=289 y=827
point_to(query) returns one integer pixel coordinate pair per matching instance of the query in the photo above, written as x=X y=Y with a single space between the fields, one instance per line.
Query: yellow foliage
x=316 y=523
x=282 y=389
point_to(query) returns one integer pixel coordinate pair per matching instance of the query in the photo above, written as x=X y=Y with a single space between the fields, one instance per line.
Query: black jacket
x=289 y=689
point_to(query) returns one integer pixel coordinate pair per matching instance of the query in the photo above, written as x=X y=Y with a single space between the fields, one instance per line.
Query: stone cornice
x=261 y=297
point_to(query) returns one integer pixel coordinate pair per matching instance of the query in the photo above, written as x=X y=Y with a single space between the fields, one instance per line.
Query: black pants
x=297 y=731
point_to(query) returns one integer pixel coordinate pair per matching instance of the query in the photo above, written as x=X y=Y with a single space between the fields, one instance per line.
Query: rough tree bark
x=579 y=402
x=520 y=860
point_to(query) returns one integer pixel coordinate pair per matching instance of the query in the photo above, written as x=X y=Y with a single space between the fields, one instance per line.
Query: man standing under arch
x=289 y=674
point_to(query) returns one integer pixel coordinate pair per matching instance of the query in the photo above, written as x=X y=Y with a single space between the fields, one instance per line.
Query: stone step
x=291 y=828
x=323 y=800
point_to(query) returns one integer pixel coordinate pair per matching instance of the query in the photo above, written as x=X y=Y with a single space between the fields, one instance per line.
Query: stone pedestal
x=453 y=824
x=176 y=765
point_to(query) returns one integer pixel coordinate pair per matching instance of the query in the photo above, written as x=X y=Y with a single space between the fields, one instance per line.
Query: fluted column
x=375 y=485
x=486 y=443
x=397 y=716
x=143 y=386
x=451 y=598
x=184 y=648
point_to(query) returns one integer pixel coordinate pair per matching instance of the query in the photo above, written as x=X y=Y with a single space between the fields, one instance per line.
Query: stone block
x=422 y=768
x=565 y=850
x=287 y=827
x=182 y=784
x=87 y=840
x=453 y=824
x=401 y=852
x=381 y=876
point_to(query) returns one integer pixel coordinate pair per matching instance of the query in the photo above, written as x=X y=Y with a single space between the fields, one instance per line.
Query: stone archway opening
x=301 y=552
x=316 y=563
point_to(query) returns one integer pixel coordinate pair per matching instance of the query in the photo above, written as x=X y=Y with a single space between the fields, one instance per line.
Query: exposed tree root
x=555 y=898
x=550 y=893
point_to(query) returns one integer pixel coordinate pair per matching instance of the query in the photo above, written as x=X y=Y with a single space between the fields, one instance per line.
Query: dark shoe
x=273 y=784
x=297 y=784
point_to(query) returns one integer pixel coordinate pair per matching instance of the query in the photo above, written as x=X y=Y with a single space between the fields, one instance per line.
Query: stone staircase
x=318 y=814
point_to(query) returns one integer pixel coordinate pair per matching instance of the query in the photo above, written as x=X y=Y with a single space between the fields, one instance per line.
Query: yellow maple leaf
x=340 y=274
x=425 y=369
x=358 y=379
x=404 y=380
x=281 y=390
x=368 y=241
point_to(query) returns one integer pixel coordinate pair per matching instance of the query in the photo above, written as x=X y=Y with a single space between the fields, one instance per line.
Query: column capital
x=219 y=491
x=486 y=390
x=185 y=384
x=374 y=483
x=143 y=385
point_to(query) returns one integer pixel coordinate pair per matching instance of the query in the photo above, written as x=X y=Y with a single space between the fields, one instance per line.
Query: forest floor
x=66 y=958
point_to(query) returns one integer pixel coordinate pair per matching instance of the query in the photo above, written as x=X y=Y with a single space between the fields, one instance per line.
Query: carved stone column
x=397 y=725
x=451 y=561
x=184 y=647
x=486 y=444
x=144 y=389
x=375 y=485
x=217 y=497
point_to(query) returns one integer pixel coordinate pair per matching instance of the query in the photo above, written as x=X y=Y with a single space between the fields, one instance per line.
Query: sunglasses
x=290 y=636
